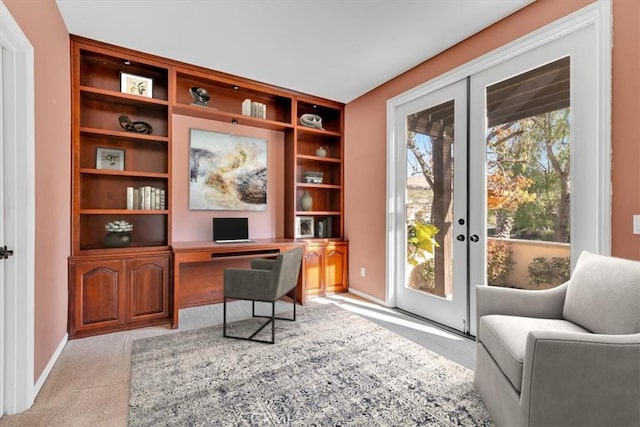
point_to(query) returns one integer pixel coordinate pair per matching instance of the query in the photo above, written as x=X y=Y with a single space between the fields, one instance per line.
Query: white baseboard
x=47 y=369
x=368 y=297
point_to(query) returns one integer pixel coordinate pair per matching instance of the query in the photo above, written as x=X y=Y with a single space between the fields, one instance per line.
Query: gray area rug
x=329 y=368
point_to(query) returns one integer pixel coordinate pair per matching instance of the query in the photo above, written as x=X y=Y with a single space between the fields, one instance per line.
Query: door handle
x=474 y=238
x=5 y=253
x=460 y=237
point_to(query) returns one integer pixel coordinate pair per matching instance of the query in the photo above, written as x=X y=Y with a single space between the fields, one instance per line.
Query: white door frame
x=18 y=144
x=596 y=15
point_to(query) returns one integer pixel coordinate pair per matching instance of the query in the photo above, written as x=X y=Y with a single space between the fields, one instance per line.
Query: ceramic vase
x=306 y=201
x=321 y=152
x=117 y=240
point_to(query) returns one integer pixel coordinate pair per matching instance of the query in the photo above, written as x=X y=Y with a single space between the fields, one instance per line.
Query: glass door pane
x=528 y=178
x=429 y=203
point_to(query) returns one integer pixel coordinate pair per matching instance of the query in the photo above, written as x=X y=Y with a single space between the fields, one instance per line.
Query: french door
x=509 y=154
x=538 y=163
x=432 y=206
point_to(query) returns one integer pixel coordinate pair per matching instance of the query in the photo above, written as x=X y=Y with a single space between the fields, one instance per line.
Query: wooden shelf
x=318 y=158
x=313 y=131
x=135 y=248
x=223 y=116
x=122 y=212
x=320 y=186
x=123 y=135
x=110 y=172
x=318 y=213
x=122 y=97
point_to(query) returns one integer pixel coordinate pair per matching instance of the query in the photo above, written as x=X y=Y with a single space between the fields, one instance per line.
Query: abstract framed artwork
x=227 y=172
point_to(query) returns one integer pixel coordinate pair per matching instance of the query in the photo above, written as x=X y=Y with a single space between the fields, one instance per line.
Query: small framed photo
x=110 y=158
x=136 y=85
x=304 y=226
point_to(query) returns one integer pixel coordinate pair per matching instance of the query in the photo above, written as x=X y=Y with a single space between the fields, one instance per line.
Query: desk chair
x=266 y=281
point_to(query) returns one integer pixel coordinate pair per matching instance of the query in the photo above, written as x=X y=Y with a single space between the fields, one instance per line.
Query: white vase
x=321 y=152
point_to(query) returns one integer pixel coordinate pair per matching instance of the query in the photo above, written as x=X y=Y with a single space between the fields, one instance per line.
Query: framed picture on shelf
x=110 y=158
x=304 y=226
x=136 y=85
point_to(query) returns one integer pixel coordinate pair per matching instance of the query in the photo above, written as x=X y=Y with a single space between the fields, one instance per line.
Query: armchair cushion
x=505 y=338
x=604 y=295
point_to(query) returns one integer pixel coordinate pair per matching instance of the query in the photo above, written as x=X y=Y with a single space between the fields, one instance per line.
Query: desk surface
x=210 y=246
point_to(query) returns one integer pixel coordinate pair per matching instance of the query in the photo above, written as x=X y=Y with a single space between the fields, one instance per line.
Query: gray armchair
x=568 y=356
x=266 y=281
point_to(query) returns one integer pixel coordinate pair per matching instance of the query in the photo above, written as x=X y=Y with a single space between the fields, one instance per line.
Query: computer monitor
x=227 y=230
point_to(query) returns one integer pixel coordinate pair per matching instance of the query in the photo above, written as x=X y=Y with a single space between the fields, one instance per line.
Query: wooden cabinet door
x=97 y=295
x=148 y=288
x=335 y=270
x=313 y=270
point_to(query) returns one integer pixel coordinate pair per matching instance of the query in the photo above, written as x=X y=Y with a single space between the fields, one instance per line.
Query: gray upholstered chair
x=267 y=281
x=568 y=356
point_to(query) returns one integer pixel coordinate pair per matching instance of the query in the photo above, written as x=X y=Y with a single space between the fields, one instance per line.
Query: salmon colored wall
x=625 y=137
x=42 y=24
x=196 y=225
x=365 y=135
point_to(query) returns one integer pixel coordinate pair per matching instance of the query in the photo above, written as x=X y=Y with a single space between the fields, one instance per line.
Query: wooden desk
x=198 y=268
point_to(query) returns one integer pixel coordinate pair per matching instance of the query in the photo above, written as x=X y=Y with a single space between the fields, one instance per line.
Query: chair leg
x=272 y=319
x=273 y=322
x=295 y=292
x=224 y=316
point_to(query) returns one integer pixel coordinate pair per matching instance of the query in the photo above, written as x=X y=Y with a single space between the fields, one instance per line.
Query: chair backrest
x=286 y=270
x=603 y=295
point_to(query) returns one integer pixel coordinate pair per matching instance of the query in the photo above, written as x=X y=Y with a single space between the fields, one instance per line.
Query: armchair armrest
x=570 y=377
x=546 y=304
x=263 y=264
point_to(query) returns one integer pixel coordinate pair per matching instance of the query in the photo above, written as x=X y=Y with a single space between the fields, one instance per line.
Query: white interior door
x=17 y=216
x=2 y=240
x=431 y=251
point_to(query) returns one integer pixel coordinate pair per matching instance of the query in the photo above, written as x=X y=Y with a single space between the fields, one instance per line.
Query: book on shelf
x=146 y=205
x=246 y=107
x=129 y=198
x=323 y=228
x=146 y=198
x=254 y=109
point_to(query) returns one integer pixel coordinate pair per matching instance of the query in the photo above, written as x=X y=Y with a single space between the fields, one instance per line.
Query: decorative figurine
x=200 y=96
x=128 y=125
x=311 y=120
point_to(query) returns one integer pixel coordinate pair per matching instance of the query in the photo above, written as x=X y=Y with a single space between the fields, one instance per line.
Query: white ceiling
x=336 y=49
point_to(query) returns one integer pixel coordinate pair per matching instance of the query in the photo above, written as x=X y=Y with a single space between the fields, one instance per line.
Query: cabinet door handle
x=474 y=238
x=460 y=237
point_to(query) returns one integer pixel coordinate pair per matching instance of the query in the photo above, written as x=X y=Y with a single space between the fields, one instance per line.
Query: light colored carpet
x=331 y=367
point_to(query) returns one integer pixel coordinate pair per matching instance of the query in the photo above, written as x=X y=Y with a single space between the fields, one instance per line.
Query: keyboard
x=234 y=241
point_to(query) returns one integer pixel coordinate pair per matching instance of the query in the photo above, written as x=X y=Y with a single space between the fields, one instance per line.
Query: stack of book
x=323 y=228
x=254 y=109
x=146 y=198
x=313 y=177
